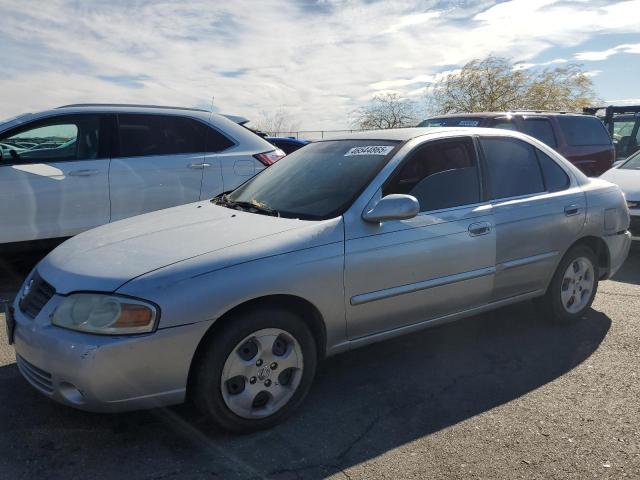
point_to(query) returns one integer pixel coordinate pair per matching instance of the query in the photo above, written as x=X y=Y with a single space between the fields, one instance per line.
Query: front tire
x=255 y=370
x=573 y=286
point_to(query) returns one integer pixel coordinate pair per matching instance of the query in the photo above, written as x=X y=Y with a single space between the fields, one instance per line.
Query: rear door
x=537 y=213
x=159 y=164
x=54 y=177
x=440 y=262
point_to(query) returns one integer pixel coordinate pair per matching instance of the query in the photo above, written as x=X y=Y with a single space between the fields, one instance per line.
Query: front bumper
x=105 y=373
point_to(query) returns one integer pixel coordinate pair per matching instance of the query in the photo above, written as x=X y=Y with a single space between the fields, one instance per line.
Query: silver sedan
x=232 y=302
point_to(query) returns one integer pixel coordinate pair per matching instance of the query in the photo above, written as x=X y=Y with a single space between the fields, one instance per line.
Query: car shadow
x=630 y=270
x=13 y=270
x=363 y=404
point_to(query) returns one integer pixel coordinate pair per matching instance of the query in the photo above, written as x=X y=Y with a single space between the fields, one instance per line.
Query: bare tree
x=496 y=84
x=276 y=122
x=386 y=110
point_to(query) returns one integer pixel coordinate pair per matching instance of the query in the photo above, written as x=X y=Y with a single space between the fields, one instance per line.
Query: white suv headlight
x=105 y=314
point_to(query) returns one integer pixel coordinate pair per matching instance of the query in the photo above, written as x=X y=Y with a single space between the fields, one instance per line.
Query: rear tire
x=573 y=286
x=255 y=370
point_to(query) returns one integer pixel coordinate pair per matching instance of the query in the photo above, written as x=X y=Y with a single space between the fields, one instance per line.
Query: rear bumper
x=619 y=246
x=102 y=373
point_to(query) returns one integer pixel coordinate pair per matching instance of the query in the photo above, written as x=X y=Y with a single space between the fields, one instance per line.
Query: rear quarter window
x=539 y=128
x=582 y=131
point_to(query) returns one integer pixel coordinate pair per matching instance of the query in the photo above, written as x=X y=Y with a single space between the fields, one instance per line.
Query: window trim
x=407 y=158
x=104 y=129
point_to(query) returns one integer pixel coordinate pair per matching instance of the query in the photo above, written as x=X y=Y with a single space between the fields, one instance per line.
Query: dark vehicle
x=581 y=139
x=287 y=144
x=623 y=124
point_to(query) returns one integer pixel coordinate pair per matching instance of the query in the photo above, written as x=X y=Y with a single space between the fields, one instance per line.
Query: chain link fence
x=315 y=134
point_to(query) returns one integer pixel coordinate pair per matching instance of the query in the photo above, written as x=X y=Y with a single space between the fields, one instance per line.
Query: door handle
x=83 y=173
x=199 y=166
x=480 y=228
x=570 y=210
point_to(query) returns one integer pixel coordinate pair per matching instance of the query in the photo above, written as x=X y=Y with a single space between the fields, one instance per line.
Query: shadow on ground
x=629 y=272
x=363 y=404
x=14 y=269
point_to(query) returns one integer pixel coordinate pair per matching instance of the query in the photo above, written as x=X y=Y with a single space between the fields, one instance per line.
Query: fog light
x=71 y=393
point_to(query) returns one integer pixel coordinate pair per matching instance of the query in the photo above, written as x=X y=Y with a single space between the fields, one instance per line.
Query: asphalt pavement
x=501 y=395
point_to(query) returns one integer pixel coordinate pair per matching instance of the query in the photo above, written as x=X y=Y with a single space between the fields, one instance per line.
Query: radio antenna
x=211 y=109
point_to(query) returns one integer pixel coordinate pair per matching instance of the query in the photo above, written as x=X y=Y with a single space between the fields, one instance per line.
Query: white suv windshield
x=633 y=163
x=316 y=182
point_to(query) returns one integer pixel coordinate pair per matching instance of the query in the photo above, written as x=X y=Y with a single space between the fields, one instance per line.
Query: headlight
x=105 y=314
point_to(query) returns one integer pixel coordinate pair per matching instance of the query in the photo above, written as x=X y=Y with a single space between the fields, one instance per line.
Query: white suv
x=73 y=168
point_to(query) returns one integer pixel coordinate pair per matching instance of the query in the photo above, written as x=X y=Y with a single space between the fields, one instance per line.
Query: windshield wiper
x=253 y=207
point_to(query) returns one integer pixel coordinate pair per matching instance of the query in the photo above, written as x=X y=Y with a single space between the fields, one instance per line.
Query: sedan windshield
x=633 y=163
x=317 y=182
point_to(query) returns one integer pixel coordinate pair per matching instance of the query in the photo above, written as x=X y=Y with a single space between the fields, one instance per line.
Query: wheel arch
x=601 y=250
x=307 y=311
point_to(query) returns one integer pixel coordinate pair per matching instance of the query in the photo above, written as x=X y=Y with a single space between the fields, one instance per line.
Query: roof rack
x=540 y=111
x=130 y=105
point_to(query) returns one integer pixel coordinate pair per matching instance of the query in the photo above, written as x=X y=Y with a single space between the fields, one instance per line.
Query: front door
x=438 y=263
x=54 y=178
x=160 y=163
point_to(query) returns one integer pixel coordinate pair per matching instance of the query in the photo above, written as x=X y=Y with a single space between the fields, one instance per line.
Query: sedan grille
x=37 y=377
x=634 y=227
x=38 y=294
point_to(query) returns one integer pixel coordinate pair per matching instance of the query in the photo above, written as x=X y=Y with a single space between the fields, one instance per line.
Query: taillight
x=269 y=158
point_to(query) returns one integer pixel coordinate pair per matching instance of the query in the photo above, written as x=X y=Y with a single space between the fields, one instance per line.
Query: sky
x=315 y=60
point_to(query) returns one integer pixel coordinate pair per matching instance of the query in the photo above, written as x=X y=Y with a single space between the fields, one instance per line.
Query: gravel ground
x=500 y=395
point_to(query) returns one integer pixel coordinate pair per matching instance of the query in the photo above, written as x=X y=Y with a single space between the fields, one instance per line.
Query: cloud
x=604 y=54
x=317 y=60
x=412 y=20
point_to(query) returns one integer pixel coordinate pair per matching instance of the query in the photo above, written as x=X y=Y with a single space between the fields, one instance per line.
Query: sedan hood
x=628 y=180
x=105 y=258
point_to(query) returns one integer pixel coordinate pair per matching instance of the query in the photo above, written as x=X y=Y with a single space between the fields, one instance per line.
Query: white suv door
x=53 y=178
x=160 y=163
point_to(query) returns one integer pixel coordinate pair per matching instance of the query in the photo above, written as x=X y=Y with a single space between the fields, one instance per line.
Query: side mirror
x=393 y=207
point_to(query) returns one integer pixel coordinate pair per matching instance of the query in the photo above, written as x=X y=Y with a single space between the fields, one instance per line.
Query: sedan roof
x=404 y=134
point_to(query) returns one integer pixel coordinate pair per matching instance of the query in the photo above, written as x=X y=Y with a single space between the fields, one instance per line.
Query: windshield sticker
x=369 y=150
x=469 y=123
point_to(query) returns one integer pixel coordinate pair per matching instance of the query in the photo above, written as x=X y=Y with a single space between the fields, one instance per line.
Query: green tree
x=497 y=84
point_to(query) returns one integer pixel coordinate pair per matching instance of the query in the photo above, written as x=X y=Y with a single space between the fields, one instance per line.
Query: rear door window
x=146 y=135
x=440 y=174
x=539 y=128
x=582 y=131
x=512 y=167
x=555 y=178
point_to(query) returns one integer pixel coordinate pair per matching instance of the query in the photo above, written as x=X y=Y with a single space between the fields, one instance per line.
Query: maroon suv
x=581 y=139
